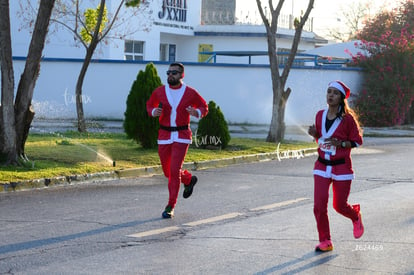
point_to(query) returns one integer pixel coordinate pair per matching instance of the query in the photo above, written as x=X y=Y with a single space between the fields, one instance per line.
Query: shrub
x=388 y=89
x=137 y=124
x=213 y=129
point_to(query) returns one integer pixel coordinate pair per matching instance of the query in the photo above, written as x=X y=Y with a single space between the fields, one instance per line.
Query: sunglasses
x=173 y=72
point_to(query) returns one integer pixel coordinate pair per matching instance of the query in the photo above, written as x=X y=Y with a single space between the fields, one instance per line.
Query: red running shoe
x=358 y=226
x=324 y=246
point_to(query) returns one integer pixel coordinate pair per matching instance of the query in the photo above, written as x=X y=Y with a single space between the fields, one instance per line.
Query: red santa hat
x=341 y=87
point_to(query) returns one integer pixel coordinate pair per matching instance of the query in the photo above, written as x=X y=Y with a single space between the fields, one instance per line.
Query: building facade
x=161 y=30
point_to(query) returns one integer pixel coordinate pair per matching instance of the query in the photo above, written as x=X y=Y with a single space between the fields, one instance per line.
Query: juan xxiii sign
x=174 y=10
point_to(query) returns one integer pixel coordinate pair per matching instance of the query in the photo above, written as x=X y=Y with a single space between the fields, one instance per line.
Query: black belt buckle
x=174 y=129
x=331 y=162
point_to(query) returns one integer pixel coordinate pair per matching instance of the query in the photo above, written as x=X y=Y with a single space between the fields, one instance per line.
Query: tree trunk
x=280 y=96
x=79 y=105
x=88 y=57
x=277 y=126
x=25 y=133
x=79 y=84
x=17 y=115
x=24 y=113
x=7 y=130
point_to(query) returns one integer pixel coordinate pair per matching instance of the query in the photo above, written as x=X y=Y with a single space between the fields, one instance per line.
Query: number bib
x=327 y=147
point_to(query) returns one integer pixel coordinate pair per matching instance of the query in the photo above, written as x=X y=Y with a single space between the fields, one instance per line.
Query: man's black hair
x=178 y=65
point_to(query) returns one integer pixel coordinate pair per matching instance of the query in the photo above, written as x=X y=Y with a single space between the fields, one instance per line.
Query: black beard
x=173 y=81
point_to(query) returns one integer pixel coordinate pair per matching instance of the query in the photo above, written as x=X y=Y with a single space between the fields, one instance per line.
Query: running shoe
x=188 y=189
x=168 y=212
x=324 y=246
x=358 y=226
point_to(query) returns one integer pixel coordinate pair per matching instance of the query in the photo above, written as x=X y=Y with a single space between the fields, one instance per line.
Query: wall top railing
x=301 y=59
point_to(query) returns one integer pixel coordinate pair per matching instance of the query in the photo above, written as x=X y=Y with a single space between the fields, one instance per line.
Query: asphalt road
x=252 y=218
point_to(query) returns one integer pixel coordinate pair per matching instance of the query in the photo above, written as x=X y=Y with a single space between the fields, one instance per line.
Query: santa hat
x=341 y=87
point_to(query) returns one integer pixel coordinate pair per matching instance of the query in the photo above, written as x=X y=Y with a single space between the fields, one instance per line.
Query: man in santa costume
x=337 y=131
x=173 y=104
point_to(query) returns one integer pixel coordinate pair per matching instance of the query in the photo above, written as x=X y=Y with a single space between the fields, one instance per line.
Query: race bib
x=327 y=147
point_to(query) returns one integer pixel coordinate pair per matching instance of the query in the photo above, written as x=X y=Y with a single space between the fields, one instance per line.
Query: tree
x=354 y=16
x=96 y=26
x=16 y=114
x=389 y=23
x=388 y=86
x=137 y=124
x=280 y=95
x=90 y=27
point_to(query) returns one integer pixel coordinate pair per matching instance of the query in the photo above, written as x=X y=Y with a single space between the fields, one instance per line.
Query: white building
x=163 y=30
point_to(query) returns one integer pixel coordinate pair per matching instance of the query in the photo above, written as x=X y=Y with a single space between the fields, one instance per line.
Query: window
x=163 y=52
x=171 y=53
x=134 y=50
x=167 y=52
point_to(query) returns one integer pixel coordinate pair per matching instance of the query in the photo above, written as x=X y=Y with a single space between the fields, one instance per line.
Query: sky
x=326 y=13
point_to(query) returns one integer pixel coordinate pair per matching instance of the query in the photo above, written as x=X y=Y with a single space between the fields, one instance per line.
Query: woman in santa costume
x=173 y=104
x=337 y=131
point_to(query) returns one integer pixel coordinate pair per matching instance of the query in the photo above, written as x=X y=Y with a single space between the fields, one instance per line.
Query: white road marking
x=213 y=219
x=278 y=204
x=154 y=232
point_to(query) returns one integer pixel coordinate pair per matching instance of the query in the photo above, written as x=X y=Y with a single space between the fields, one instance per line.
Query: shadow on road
x=322 y=259
x=43 y=242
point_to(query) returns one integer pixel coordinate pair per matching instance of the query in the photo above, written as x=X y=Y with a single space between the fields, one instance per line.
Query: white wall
x=244 y=93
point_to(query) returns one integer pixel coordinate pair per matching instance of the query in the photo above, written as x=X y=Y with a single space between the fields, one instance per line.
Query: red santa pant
x=341 y=191
x=172 y=159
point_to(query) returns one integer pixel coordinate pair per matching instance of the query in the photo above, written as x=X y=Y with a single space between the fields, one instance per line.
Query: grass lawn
x=73 y=153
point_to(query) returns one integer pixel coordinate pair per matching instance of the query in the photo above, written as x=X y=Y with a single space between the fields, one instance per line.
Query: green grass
x=72 y=153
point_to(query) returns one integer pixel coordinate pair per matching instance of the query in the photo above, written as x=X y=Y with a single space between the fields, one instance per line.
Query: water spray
x=85 y=147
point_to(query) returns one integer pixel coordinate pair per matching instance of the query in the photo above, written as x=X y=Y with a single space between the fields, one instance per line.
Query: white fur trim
x=338 y=86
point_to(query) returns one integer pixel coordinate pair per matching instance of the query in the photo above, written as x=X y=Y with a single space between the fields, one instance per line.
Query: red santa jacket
x=344 y=129
x=174 y=114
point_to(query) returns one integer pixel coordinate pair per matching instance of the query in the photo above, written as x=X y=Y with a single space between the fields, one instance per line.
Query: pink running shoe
x=358 y=226
x=324 y=246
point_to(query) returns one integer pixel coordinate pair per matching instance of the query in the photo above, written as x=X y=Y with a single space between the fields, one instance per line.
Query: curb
x=152 y=170
x=56 y=181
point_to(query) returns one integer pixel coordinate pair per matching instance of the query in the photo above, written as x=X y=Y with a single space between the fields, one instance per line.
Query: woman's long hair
x=345 y=109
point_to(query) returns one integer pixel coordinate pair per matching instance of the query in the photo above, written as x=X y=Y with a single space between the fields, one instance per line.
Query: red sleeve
x=154 y=100
x=354 y=133
x=196 y=101
x=201 y=105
